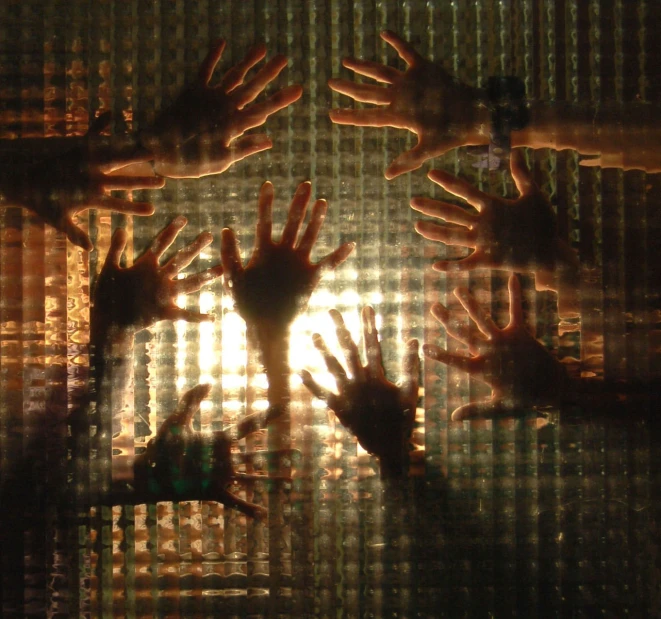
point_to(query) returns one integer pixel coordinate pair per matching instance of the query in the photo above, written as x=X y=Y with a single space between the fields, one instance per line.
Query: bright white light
x=234 y=356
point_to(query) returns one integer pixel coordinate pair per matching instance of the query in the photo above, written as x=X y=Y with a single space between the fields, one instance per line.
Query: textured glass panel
x=527 y=517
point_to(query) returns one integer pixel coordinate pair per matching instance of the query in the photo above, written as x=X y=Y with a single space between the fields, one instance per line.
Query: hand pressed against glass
x=180 y=464
x=60 y=187
x=202 y=132
x=520 y=371
x=519 y=235
x=424 y=99
x=136 y=297
x=376 y=411
x=279 y=278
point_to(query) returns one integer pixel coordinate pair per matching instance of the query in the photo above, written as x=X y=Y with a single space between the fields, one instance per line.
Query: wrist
x=395 y=466
x=110 y=340
x=273 y=343
x=499 y=110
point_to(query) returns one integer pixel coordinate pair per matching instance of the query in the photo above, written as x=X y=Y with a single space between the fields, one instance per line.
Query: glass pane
x=548 y=509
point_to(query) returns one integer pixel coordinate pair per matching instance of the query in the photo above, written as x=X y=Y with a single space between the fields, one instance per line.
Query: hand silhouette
x=202 y=132
x=520 y=371
x=59 y=187
x=279 y=278
x=424 y=99
x=136 y=297
x=518 y=235
x=376 y=411
x=180 y=464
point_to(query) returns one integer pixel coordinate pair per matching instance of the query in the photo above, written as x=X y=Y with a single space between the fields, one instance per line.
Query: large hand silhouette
x=180 y=464
x=58 y=188
x=202 y=133
x=424 y=99
x=136 y=297
x=279 y=278
x=520 y=371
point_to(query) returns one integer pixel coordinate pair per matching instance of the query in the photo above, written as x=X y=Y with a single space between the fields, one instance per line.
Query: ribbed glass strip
x=530 y=517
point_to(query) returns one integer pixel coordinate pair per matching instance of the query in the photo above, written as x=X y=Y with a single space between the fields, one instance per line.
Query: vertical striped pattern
x=507 y=516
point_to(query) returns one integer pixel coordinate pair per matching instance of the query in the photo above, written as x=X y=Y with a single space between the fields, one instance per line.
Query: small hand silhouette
x=201 y=133
x=180 y=464
x=519 y=235
x=423 y=99
x=136 y=297
x=58 y=188
x=520 y=371
x=377 y=412
x=279 y=278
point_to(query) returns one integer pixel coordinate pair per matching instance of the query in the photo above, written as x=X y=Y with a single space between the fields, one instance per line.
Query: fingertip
x=204 y=389
x=218 y=44
x=368 y=314
x=180 y=221
x=296 y=92
x=391 y=173
x=79 y=238
x=336 y=317
x=259 y=49
x=143 y=209
x=205 y=238
x=119 y=237
x=440 y=312
x=413 y=345
x=457 y=415
x=437 y=176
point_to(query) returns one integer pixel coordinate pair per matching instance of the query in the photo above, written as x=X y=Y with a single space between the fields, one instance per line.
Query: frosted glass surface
x=502 y=518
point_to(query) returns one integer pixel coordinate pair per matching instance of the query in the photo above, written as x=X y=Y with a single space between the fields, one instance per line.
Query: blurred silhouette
x=376 y=411
x=276 y=283
x=519 y=235
x=445 y=113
